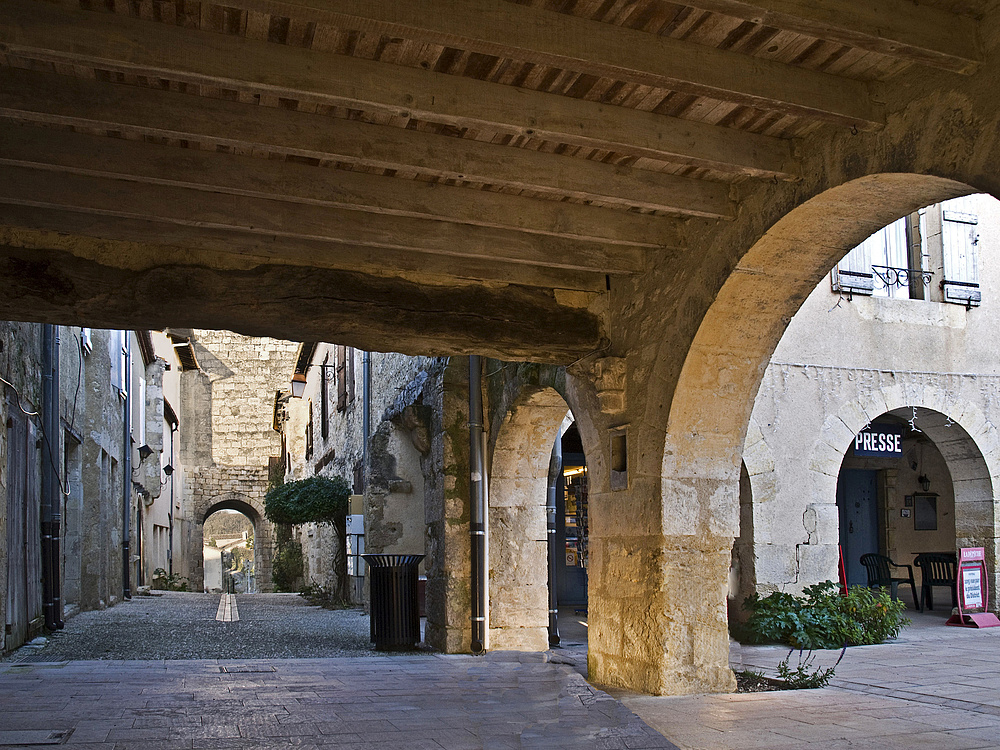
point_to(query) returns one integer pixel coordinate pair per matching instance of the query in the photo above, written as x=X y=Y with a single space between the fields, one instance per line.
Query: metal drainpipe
x=170 y=514
x=366 y=412
x=127 y=462
x=51 y=491
x=555 y=475
x=478 y=517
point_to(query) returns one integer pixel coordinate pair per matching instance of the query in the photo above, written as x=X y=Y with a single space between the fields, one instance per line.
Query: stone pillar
x=446 y=512
x=657 y=609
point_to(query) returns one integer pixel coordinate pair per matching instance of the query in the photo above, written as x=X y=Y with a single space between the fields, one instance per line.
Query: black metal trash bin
x=395 y=614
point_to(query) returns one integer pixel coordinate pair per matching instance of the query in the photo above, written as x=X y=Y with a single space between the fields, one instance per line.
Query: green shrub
x=287 y=566
x=313 y=500
x=172 y=582
x=823 y=618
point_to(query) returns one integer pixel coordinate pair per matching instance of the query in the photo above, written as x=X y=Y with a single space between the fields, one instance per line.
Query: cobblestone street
x=181 y=625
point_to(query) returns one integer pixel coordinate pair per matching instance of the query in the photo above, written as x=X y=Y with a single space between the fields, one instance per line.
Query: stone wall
x=840 y=365
x=227 y=407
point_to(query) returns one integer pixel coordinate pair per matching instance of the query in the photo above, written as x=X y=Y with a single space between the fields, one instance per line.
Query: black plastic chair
x=936 y=570
x=880 y=576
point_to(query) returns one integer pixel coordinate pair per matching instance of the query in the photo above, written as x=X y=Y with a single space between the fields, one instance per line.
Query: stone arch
x=263 y=535
x=966 y=438
x=687 y=506
x=517 y=537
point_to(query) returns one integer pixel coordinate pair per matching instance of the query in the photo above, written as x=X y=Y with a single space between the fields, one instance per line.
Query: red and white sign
x=972 y=588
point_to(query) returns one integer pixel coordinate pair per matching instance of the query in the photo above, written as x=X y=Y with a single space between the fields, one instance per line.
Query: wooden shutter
x=324 y=397
x=341 y=378
x=853 y=274
x=960 y=241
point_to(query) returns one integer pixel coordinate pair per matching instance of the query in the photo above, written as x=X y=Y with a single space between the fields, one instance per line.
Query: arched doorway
x=227 y=553
x=262 y=546
x=518 y=549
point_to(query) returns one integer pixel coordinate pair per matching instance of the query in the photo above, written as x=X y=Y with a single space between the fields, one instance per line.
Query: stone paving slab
x=934 y=687
x=411 y=702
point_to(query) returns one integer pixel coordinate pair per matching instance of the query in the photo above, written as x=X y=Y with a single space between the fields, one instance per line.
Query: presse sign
x=879 y=440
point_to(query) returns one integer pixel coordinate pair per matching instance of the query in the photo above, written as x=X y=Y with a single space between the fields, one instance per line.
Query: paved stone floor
x=935 y=687
x=368 y=702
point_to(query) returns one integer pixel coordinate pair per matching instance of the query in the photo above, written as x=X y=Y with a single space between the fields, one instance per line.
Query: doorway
x=857 y=502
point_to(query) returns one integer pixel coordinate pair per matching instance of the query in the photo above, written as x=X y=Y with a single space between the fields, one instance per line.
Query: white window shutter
x=853 y=274
x=960 y=238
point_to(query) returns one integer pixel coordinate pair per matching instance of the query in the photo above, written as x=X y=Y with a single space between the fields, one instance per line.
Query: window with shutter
x=341 y=378
x=324 y=399
x=882 y=266
x=853 y=275
x=309 y=433
x=119 y=362
x=960 y=241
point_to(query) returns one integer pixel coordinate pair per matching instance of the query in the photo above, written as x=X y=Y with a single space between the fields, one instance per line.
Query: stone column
x=657 y=609
x=446 y=498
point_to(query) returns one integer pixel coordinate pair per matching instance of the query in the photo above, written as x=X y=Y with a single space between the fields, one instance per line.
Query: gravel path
x=177 y=625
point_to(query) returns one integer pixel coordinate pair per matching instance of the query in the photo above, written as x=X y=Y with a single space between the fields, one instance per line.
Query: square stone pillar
x=658 y=580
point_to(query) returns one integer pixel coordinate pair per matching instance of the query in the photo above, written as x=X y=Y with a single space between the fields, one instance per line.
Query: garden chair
x=880 y=575
x=936 y=570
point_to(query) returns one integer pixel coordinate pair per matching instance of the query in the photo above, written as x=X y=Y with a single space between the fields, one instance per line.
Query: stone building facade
x=846 y=360
x=103 y=476
x=909 y=356
x=231 y=448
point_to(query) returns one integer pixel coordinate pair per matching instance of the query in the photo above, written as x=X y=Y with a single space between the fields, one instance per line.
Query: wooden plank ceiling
x=554 y=144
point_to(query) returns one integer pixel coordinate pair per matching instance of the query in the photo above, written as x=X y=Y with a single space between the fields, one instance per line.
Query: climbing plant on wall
x=322 y=500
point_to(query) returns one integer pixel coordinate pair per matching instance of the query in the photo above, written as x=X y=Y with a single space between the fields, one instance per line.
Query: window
x=960 y=242
x=887 y=264
x=119 y=362
x=342 y=372
x=309 y=433
x=324 y=398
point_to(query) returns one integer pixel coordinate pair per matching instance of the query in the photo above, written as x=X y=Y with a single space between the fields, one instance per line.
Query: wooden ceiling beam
x=148 y=244
x=273 y=218
x=541 y=37
x=100 y=156
x=61 y=100
x=120 y=43
x=898 y=28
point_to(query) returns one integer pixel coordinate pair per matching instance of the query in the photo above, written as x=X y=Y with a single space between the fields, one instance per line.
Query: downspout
x=478 y=526
x=366 y=412
x=127 y=461
x=555 y=475
x=170 y=513
x=51 y=489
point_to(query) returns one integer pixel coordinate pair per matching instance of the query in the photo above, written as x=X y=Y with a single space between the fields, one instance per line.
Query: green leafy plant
x=322 y=500
x=312 y=500
x=823 y=618
x=162 y=581
x=287 y=565
x=805 y=676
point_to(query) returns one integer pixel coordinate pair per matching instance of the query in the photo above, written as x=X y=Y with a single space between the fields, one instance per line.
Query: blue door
x=857 y=499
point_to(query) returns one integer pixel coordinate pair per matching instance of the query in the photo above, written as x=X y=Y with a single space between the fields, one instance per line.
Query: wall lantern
x=144 y=452
x=168 y=470
x=925 y=483
x=298 y=385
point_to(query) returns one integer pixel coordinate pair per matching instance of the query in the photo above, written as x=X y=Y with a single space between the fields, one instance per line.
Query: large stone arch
x=966 y=437
x=518 y=553
x=263 y=535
